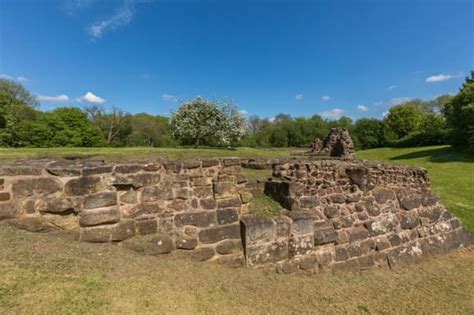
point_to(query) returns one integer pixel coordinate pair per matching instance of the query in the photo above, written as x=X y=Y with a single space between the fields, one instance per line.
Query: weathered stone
x=216 y=234
x=100 y=234
x=83 y=186
x=128 y=168
x=136 y=181
x=99 y=216
x=373 y=209
x=125 y=229
x=94 y=170
x=381 y=244
x=429 y=199
x=203 y=192
x=32 y=224
x=202 y=181
x=146 y=226
x=383 y=224
x=308 y=262
x=145 y=210
x=186 y=243
x=159 y=245
x=331 y=212
x=21 y=170
x=409 y=220
x=203 y=254
x=365 y=262
x=246 y=197
x=152 y=167
x=229 y=203
x=129 y=197
x=300 y=245
x=409 y=200
x=64 y=169
x=433 y=214
x=258 y=229
x=26 y=187
x=342 y=222
x=99 y=200
x=357 y=233
x=172 y=166
x=264 y=253
x=199 y=219
x=190 y=164
x=382 y=195
x=183 y=193
x=228 y=247
x=354 y=250
x=208 y=204
x=224 y=190
x=4 y=196
x=210 y=163
x=231 y=161
x=404 y=255
x=341 y=237
x=179 y=205
x=341 y=253
x=394 y=239
x=309 y=202
x=338 y=198
x=156 y=193
x=226 y=216
x=359 y=176
x=283 y=226
x=324 y=233
x=57 y=205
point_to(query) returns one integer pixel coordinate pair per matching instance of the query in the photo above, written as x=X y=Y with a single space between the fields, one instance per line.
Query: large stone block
x=357 y=233
x=159 y=245
x=199 y=219
x=203 y=254
x=26 y=187
x=324 y=233
x=32 y=224
x=4 y=196
x=156 y=193
x=225 y=190
x=300 y=245
x=100 y=200
x=303 y=223
x=383 y=224
x=99 y=216
x=382 y=195
x=217 y=234
x=409 y=199
x=145 y=226
x=186 y=243
x=229 y=203
x=265 y=253
x=57 y=205
x=99 y=234
x=229 y=247
x=409 y=219
x=258 y=229
x=125 y=229
x=83 y=186
x=226 y=216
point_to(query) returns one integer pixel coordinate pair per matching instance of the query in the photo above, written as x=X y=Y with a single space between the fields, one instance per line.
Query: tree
x=459 y=113
x=115 y=125
x=196 y=120
x=403 y=119
x=233 y=125
x=146 y=127
x=18 y=91
x=369 y=132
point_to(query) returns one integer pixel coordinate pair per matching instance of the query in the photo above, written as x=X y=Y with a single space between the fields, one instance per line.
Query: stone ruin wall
x=342 y=215
x=193 y=205
x=350 y=216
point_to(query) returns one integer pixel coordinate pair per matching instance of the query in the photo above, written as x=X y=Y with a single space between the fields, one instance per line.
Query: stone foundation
x=189 y=205
x=342 y=215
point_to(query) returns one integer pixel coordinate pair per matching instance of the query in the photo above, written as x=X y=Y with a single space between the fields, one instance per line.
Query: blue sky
x=354 y=58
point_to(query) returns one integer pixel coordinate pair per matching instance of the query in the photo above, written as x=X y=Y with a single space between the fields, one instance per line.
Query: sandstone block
x=226 y=216
x=203 y=254
x=224 y=190
x=159 y=245
x=217 y=234
x=146 y=226
x=64 y=169
x=58 y=205
x=100 y=200
x=409 y=200
x=128 y=168
x=199 y=219
x=186 y=243
x=83 y=186
x=324 y=233
x=4 y=196
x=229 y=203
x=409 y=219
x=123 y=230
x=357 y=234
x=203 y=192
x=246 y=197
x=99 y=216
x=32 y=224
x=382 y=195
x=264 y=253
x=94 y=170
x=208 y=204
x=228 y=247
x=26 y=187
x=258 y=229
x=100 y=234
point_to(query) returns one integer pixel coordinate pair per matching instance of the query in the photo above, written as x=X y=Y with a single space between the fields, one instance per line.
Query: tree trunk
x=198 y=141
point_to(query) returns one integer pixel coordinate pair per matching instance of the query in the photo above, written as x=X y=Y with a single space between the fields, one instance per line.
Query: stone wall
x=192 y=205
x=350 y=216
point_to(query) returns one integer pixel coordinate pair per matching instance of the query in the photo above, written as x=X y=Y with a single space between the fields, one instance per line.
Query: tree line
x=446 y=119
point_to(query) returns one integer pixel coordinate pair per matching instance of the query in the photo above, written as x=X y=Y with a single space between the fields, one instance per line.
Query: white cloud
x=335 y=113
x=399 y=100
x=298 y=97
x=169 y=98
x=123 y=16
x=9 y=77
x=272 y=120
x=362 y=108
x=384 y=114
x=91 y=98
x=243 y=112
x=392 y=87
x=326 y=98
x=57 y=98
x=440 y=78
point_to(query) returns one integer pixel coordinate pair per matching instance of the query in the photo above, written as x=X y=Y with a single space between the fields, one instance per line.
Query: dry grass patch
x=44 y=273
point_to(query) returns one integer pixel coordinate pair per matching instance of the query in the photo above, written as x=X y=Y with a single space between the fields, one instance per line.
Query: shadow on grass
x=438 y=155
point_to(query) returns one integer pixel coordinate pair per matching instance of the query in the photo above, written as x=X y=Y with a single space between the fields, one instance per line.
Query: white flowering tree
x=200 y=119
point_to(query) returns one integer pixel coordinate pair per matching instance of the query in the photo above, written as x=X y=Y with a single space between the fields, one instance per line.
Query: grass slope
x=451 y=173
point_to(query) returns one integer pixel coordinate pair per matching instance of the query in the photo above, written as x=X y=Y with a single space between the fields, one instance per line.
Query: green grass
x=451 y=173
x=142 y=153
x=262 y=205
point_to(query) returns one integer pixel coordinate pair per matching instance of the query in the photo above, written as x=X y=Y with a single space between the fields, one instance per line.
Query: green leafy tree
x=115 y=125
x=146 y=127
x=459 y=113
x=403 y=119
x=369 y=132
